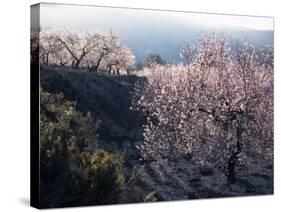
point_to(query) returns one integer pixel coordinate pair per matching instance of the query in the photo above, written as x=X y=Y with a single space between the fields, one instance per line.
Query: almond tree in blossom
x=93 y=51
x=218 y=107
x=104 y=45
x=120 y=60
x=69 y=45
x=187 y=53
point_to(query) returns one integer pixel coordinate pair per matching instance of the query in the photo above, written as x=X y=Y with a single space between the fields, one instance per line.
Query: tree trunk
x=109 y=70
x=231 y=169
x=77 y=63
x=231 y=178
x=91 y=69
x=47 y=59
x=96 y=67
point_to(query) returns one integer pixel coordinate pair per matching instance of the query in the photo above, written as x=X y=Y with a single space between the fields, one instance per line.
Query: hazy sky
x=154 y=32
x=59 y=16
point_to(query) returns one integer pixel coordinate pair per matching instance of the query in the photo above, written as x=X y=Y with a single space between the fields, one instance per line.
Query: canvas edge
x=34 y=113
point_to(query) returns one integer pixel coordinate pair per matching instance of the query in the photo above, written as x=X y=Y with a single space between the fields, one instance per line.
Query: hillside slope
x=107 y=97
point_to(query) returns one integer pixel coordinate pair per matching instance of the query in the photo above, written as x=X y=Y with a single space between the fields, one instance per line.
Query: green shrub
x=150 y=197
x=103 y=176
x=72 y=168
x=106 y=170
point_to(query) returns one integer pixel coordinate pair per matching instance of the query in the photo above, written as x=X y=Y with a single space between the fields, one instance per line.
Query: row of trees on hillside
x=218 y=107
x=92 y=51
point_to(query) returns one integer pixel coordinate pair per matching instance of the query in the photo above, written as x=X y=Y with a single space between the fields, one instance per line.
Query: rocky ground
x=183 y=179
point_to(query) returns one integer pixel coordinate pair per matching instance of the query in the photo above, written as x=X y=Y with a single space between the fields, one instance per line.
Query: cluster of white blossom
x=218 y=107
x=93 y=51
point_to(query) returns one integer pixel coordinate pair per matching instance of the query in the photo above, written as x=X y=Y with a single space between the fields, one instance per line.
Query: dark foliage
x=73 y=170
x=108 y=97
x=152 y=59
